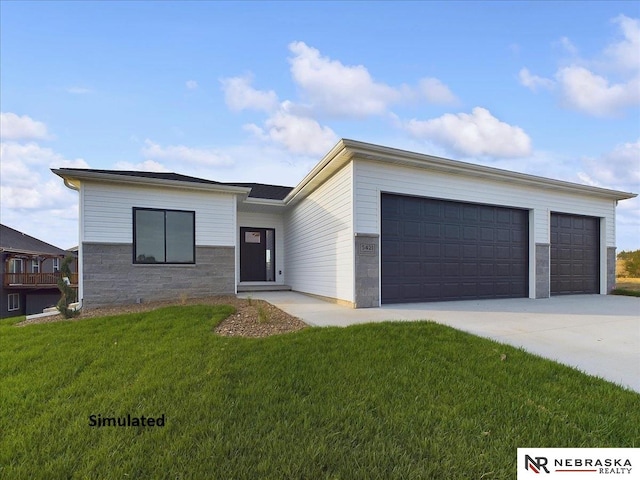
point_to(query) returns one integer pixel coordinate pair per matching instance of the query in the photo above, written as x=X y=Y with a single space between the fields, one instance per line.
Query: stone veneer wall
x=111 y=278
x=367 y=271
x=611 y=268
x=543 y=270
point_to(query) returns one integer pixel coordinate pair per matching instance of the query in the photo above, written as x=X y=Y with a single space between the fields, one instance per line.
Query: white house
x=369 y=225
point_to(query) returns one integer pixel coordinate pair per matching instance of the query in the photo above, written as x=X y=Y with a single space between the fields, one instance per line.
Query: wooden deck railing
x=36 y=279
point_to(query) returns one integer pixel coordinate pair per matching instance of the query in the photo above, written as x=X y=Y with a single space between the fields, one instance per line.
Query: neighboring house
x=30 y=271
x=369 y=225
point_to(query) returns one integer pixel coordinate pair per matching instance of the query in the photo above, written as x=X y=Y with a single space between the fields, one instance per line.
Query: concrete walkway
x=597 y=334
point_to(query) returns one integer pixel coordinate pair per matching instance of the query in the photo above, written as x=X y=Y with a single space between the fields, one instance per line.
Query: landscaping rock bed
x=253 y=318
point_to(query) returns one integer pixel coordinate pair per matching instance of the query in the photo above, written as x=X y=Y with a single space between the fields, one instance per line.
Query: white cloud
x=436 y=92
x=533 y=82
x=338 y=89
x=625 y=53
x=240 y=95
x=475 y=134
x=182 y=153
x=331 y=87
x=298 y=134
x=568 y=46
x=618 y=169
x=588 y=85
x=31 y=195
x=592 y=94
x=191 y=84
x=14 y=127
x=145 y=166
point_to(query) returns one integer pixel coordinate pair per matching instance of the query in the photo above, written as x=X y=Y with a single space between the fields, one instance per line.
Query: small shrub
x=67 y=292
x=625 y=291
x=263 y=314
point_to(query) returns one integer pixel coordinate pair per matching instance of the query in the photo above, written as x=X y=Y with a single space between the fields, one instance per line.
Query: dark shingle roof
x=15 y=241
x=261 y=190
x=258 y=190
x=159 y=175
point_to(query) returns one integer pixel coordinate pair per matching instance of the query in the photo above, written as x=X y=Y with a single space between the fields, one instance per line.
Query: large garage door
x=575 y=254
x=442 y=250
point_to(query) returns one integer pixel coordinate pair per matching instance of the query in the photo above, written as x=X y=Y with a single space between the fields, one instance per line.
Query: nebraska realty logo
x=582 y=463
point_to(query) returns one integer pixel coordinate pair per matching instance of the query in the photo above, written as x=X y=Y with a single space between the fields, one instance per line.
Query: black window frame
x=164 y=210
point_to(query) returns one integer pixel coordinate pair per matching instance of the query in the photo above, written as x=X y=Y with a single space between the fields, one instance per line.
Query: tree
x=67 y=293
x=631 y=262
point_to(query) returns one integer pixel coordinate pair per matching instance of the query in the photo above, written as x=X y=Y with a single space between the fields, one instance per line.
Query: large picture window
x=163 y=236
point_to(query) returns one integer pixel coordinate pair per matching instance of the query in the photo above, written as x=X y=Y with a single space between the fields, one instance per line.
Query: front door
x=257 y=254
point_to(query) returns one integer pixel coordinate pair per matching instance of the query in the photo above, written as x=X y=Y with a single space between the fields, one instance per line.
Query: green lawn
x=391 y=400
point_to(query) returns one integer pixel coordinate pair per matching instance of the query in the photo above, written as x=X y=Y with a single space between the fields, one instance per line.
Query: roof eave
x=264 y=201
x=338 y=156
x=75 y=177
x=387 y=155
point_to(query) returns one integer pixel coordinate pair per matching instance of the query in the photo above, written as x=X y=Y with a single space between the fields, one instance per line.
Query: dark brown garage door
x=575 y=254
x=441 y=250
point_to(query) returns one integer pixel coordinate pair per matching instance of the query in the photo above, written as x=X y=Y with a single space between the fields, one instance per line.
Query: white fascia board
x=332 y=162
x=264 y=201
x=72 y=179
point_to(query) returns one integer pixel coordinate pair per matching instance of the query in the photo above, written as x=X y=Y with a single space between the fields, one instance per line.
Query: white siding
x=319 y=244
x=372 y=178
x=107 y=212
x=265 y=220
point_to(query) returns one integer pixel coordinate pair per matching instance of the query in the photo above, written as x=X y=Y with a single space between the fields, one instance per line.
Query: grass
x=390 y=400
x=627 y=286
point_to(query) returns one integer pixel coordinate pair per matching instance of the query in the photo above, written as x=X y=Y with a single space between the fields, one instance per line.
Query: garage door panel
x=486 y=234
x=466 y=250
x=470 y=251
x=412 y=269
x=411 y=249
x=411 y=229
x=575 y=254
x=452 y=232
x=452 y=251
x=470 y=270
x=430 y=250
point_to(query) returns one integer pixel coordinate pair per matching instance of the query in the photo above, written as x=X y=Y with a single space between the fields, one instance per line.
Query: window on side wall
x=164 y=236
x=14 y=302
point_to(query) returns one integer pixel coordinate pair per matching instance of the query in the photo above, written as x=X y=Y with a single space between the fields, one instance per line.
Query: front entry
x=257 y=254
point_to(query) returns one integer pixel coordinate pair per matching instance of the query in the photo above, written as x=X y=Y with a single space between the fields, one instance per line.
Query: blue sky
x=260 y=91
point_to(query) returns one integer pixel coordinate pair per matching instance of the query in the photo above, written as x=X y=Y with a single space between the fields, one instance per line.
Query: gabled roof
x=254 y=190
x=17 y=242
x=346 y=150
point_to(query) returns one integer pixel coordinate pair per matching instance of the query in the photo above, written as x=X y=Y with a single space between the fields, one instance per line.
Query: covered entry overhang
x=260 y=237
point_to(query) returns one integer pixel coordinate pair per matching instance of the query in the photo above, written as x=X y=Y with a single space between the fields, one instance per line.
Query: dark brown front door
x=257 y=254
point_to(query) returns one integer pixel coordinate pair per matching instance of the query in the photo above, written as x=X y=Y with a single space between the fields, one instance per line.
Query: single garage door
x=442 y=250
x=575 y=254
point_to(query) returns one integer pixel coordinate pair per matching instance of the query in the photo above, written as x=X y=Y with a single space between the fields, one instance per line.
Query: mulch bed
x=253 y=318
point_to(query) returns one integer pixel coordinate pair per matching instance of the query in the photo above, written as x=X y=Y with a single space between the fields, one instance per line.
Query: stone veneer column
x=611 y=268
x=367 y=270
x=543 y=270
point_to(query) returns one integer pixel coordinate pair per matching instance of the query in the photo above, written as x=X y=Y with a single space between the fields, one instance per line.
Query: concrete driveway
x=597 y=334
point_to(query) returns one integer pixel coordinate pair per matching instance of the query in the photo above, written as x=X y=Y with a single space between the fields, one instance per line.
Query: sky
x=260 y=91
